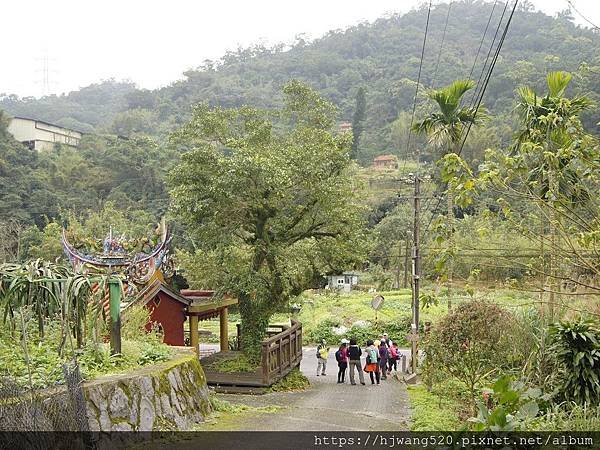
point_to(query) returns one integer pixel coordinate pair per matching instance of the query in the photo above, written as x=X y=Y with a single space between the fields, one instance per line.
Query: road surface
x=327 y=405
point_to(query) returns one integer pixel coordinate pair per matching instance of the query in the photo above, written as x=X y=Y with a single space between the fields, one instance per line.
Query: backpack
x=323 y=353
x=371 y=356
x=338 y=356
x=354 y=352
x=393 y=352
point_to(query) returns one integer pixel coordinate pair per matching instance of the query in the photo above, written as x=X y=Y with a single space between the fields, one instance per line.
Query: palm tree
x=550 y=122
x=550 y=125
x=444 y=130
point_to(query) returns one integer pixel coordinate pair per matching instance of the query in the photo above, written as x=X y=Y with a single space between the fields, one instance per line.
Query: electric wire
x=481 y=92
x=437 y=65
x=485 y=64
x=412 y=119
x=581 y=15
x=489 y=73
x=482 y=39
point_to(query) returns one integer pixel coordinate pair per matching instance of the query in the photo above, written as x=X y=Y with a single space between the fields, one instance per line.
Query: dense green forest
x=126 y=154
x=381 y=57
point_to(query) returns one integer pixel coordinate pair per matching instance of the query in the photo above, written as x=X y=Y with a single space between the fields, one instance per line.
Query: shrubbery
x=469 y=344
x=577 y=347
x=41 y=366
x=396 y=330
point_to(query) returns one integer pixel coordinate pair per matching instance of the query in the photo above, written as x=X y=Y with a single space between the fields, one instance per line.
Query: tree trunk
x=553 y=246
x=450 y=219
x=254 y=323
x=543 y=263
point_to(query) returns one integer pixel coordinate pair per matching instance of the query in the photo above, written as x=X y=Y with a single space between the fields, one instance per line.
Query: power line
x=412 y=119
x=437 y=65
x=489 y=73
x=481 y=93
x=481 y=76
x=581 y=15
x=482 y=39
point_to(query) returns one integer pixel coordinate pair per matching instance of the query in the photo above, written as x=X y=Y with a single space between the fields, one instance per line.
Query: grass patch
x=293 y=381
x=240 y=363
x=226 y=416
x=332 y=316
x=432 y=411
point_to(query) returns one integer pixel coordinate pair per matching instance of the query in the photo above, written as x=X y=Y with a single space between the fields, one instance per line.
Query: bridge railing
x=281 y=352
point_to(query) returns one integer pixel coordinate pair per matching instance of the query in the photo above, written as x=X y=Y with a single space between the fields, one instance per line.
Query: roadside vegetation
x=268 y=196
x=35 y=361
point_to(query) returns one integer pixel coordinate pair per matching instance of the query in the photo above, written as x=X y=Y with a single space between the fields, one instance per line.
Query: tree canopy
x=270 y=200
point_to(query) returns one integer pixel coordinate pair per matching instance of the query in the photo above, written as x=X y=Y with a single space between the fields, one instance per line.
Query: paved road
x=327 y=405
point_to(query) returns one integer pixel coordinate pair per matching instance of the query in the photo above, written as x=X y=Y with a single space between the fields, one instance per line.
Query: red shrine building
x=168 y=311
x=177 y=314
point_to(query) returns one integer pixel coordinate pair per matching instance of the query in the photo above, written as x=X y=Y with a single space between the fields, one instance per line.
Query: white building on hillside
x=40 y=135
x=343 y=282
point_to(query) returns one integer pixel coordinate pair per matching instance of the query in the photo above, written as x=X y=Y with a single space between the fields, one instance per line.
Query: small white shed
x=343 y=282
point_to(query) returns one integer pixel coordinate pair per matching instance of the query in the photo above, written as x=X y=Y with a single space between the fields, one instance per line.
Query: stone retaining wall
x=167 y=396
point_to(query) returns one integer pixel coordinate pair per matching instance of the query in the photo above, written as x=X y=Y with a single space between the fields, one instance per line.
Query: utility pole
x=416 y=270
x=406 y=251
x=398 y=265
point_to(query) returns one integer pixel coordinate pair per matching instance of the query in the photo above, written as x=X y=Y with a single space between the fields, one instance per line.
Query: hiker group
x=382 y=357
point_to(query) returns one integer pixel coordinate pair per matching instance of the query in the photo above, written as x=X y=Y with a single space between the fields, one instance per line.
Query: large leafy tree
x=444 y=129
x=270 y=201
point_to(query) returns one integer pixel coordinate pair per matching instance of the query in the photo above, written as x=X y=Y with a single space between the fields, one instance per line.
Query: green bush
x=396 y=330
x=323 y=330
x=41 y=365
x=577 y=347
x=508 y=406
x=534 y=359
x=240 y=363
x=152 y=353
x=134 y=322
x=469 y=344
x=568 y=417
x=432 y=411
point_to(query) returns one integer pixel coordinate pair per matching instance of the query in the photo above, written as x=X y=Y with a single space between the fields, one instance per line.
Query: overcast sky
x=151 y=42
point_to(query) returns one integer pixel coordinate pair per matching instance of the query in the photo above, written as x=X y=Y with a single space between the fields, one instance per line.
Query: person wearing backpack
x=372 y=365
x=322 y=355
x=341 y=357
x=393 y=358
x=354 y=353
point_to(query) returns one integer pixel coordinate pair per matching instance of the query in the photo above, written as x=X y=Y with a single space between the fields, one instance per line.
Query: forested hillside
x=383 y=57
x=129 y=171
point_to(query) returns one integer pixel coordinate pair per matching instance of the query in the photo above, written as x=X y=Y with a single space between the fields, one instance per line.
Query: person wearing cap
x=342 y=359
x=388 y=341
x=322 y=355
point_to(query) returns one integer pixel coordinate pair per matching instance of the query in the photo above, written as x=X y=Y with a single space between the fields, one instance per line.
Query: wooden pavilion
x=170 y=311
x=281 y=349
x=203 y=306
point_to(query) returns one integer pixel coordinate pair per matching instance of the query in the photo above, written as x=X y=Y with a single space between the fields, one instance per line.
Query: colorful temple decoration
x=124 y=257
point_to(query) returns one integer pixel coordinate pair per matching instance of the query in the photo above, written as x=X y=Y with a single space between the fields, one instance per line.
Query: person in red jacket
x=342 y=359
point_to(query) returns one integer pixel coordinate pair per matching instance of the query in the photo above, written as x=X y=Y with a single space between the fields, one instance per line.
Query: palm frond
x=558 y=82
